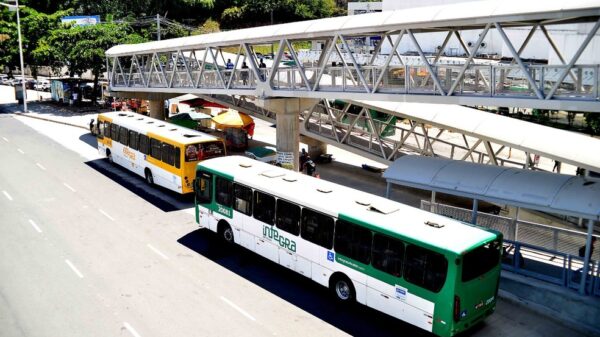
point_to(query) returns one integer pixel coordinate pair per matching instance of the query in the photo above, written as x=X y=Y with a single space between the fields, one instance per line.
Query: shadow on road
x=356 y=320
x=89 y=139
x=165 y=200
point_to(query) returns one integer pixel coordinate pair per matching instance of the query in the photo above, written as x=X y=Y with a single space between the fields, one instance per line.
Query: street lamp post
x=16 y=7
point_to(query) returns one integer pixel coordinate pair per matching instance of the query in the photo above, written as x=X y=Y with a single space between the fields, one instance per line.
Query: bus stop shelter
x=542 y=191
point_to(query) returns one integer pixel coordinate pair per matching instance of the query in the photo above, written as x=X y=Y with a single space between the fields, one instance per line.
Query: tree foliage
x=249 y=13
x=47 y=42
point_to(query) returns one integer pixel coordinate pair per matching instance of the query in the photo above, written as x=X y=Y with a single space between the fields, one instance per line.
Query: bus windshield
x=203 y=151
x=481 y=260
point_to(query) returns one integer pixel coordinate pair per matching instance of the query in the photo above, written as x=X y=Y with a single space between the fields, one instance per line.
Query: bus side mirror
x=195 y=184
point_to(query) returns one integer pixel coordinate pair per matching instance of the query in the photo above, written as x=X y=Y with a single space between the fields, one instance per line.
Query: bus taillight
x=456 y=308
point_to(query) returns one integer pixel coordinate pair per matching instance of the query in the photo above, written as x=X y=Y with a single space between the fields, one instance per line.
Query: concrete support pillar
x=288 y=126
x=315 y=147
x=288 y=138
x=157 y=109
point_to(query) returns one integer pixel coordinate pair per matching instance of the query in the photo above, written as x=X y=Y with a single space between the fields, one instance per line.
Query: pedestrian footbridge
x=197 y=64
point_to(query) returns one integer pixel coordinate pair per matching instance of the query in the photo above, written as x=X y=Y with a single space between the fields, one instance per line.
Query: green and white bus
x=434 y=272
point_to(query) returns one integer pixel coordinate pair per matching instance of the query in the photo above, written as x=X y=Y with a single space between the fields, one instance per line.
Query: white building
x=567 y=38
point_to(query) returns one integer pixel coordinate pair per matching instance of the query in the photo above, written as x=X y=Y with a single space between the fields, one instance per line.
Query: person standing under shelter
x=582 y=248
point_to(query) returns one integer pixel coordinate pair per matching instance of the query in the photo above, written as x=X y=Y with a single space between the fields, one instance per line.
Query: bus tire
x=225 y=232
x=342 y=288
x=109 y=157
x=149 y=177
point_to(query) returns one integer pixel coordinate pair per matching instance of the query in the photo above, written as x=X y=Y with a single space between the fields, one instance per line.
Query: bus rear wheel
x=149 y=178
x=342 y=288
x=225 y=232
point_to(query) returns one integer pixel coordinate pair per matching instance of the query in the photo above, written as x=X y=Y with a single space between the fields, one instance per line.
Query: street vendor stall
x=237 y=127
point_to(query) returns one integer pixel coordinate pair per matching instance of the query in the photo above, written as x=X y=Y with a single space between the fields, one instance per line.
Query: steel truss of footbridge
x=197 y=64
x=385 y=131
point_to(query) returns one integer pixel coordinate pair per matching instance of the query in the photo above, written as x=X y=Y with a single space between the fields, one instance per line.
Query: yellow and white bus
x=163 y=153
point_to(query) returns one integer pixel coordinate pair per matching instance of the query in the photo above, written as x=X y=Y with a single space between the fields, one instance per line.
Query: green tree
x=82 y=48
x=209 y=26
x=592 y=120
x=34 y=27
x=249 y=13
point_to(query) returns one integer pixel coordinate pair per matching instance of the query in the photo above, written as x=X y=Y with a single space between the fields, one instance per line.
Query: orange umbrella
x=232 y=119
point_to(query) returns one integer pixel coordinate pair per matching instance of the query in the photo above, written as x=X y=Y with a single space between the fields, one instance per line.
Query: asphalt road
x=87 y=249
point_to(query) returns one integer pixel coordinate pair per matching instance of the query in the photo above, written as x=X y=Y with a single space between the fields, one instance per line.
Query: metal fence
x=547 y=253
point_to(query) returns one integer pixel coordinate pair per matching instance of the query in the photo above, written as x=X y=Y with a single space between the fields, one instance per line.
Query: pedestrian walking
x=244 y=73
x=310 y=167
x=229 y=64
x=262 y=66
x=556 y=167
x=303 y=158
x=536 y=160
x=582 y=248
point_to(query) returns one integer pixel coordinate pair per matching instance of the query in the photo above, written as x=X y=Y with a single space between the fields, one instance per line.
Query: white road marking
x=131 y=329
x=158 y=252
x=240 y=310
x=69 y=187
x=6 y=140
x=38 y=229
x=106 y=215
x=40 y=166
x=7 y=195
x=20 y=151
x=74 y=269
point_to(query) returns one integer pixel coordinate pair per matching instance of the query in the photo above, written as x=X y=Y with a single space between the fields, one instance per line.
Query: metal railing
x=491 y=80
x=536 y=250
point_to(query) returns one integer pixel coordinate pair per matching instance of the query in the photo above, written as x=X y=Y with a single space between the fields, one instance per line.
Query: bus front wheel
x=225 y=232
x=149 y=178
x=342 y=288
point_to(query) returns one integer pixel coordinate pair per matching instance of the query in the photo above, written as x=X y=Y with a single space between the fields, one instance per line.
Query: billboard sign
x=81 y=20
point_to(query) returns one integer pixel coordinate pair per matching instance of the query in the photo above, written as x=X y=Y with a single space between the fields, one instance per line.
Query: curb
x=49 y=120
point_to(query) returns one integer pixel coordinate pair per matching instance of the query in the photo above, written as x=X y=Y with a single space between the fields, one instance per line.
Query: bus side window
x=144 y=146
x=317 y=228
x=288 y=217
x=123 y=135
x=243 y=199
x=224 y=191
x=177 y=157
x=168 y=154
x=388 y=254
x=133 y=140
x=425 y=268
x=114 y=132
x=264 y=207
x=353 y=241
x=202 y=186
x=155 y=147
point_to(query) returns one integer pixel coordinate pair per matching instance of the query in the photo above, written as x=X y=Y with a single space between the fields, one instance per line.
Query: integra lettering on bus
x=273 y=234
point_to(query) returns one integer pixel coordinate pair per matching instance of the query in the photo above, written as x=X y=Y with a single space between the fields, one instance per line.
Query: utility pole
x=158 y=27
